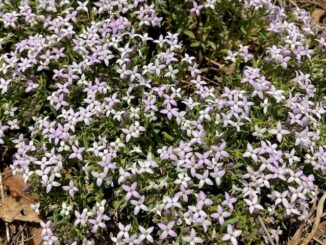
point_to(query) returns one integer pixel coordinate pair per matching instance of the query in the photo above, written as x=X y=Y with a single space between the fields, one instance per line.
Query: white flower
x=232 y=235
x=251 y=152
x=65 y=209
x=259 y=132
x=204 y=179
x=146 y=234
x=124 y=231
x=35 y=207
x=265 y=105
x=204 y=115
x=231 y=56
x=279 y=132
x=133 y=131
x=253 y=204
x=192 y=239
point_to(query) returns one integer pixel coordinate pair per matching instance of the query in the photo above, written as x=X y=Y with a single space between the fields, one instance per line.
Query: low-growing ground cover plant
x=165 y=122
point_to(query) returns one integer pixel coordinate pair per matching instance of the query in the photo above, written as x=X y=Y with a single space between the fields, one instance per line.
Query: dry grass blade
x=297 y=237
x=15 y=239
x=265 y=230
x=316 y=15
x=318 y=230
x=319 y=213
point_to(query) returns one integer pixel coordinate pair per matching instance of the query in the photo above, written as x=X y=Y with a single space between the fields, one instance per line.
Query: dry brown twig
x=265 y=230
x=211 y=81
x=319 y=213
x=311 y=219
x=22 y=236
x=31 y=237
x=15 y=240
x=293 y=3
x=295 y=240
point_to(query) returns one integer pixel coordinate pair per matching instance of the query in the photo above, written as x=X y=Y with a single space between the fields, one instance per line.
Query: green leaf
x=167 y=136
x=195 y=45
x=212 y=45
x=243 y=30
x=238 y=165
x=189 y=34
x=53 y=111
x=205 y=37
x=85 y=141
x=123 y=206
x=229 y=222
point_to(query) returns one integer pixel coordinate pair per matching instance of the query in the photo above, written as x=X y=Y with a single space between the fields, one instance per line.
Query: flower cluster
x=127 y=135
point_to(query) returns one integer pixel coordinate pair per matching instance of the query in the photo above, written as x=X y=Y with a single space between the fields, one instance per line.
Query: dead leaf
x=13 y=209
x=223 y=68
x=35 y=234
x=17 y=204
x=3 y=241
x=316 y=15
x=320 y=3
x=320 y=235
x=228 y=69
x=16 y=184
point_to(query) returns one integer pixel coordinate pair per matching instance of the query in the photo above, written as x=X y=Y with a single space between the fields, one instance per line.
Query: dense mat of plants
x=165 y=122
